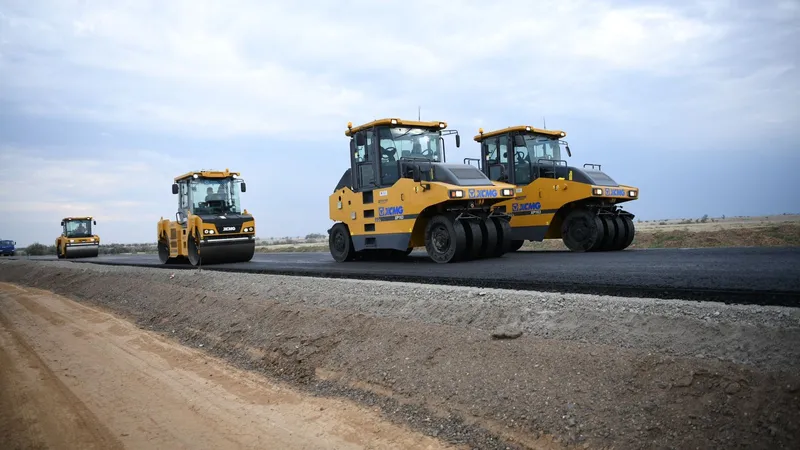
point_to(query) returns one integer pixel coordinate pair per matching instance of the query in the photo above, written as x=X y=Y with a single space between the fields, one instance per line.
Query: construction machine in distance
x=77 y=240
x=210 y=227
x=399 y=194
x=554 y=200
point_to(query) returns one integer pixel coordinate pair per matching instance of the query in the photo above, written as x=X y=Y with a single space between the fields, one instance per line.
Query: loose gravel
x=488 y=368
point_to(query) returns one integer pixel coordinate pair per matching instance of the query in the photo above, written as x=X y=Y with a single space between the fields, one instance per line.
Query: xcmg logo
x=526 y=206
x=390 y=211
x=617 y=192
x=482 y=193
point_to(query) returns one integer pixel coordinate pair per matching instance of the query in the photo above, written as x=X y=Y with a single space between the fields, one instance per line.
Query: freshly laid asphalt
x=732 y=275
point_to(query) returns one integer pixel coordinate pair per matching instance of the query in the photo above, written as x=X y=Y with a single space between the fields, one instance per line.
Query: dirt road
x=74 y=377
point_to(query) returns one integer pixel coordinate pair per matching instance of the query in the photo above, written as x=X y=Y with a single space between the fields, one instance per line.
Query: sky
x=103 y=103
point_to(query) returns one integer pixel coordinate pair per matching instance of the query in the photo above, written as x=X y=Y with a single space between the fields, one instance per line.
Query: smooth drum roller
x=77 y=240
x=211 y=227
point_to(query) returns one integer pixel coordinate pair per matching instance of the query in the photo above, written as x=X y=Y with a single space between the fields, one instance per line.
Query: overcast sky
x=103 y=103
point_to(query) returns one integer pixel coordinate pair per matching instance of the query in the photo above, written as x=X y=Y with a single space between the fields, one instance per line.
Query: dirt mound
x=459 y=383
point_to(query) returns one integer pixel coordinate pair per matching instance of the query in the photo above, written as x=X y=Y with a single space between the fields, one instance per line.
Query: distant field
x=770 y=231
x=763 y=231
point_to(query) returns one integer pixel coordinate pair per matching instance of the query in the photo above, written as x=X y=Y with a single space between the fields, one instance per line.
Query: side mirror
x=62 y=223
x=417 y=174
x=458 y=141
x=568 y=152
x=174 y=188
x=94 y=222
x=519 y=141
x=244 y=187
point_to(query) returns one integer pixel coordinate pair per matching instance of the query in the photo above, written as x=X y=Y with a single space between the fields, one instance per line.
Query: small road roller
x=77 y=240
x=210 y=226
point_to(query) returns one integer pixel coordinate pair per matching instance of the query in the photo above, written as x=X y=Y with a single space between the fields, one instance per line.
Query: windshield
x=540 y=147
x=404 y=142
x=78 y=228
x=6 y=243
x=215 y=196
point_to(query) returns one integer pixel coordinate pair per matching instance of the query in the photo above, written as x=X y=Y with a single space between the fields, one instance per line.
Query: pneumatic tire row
x=447 y=240
x=584 y=230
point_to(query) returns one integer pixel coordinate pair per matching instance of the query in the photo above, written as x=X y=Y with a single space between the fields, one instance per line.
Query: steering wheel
x=520 y=156
x=392 y=153
x=428 y=153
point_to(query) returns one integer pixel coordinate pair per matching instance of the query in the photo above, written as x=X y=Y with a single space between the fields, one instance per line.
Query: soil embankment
x=489 y=369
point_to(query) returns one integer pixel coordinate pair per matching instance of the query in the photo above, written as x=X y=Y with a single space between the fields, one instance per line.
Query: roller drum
x=222 y=251
x=82 y=250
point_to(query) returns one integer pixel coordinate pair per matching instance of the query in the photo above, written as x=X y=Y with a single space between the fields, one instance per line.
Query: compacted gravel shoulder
x=486 y=368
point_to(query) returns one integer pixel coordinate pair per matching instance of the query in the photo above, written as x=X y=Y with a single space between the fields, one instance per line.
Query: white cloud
x=209 y=68
x=123 y=186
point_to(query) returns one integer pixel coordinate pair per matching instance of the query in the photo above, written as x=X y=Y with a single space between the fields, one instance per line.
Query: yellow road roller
x=580 y=205
x=210 y=226
x=77 y=240
x=400 y=194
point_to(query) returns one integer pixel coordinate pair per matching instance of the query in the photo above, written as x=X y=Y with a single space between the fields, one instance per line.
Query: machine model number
x=482 y=193
x=610 y=191
x=228 y=228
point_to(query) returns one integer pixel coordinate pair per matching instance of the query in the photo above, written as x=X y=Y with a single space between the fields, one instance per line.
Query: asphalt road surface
x=731 y=275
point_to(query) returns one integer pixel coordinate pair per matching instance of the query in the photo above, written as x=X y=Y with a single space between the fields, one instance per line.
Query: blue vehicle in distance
x=7 y=248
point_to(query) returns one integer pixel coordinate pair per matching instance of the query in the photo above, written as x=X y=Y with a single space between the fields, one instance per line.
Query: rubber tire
x=503 y=236
x=516 y=244
x=610 y=234
x=619 y=237
x=193 y=254
x=581 y=231
x=474 y=239
x=456 y=235
x=630 y=232
x=489 y=238
x=340 y=243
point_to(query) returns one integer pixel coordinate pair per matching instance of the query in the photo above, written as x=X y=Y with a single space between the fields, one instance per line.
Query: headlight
x=72 y=241
x=456 y=193
x=507 y=192
x=597 y=191
x=249 y=229
x=632 y=193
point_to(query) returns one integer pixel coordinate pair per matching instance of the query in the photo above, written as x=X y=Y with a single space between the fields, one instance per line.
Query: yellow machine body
x=77 y=239
x=400 y=194
x=580 y=205
x=210 y=227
